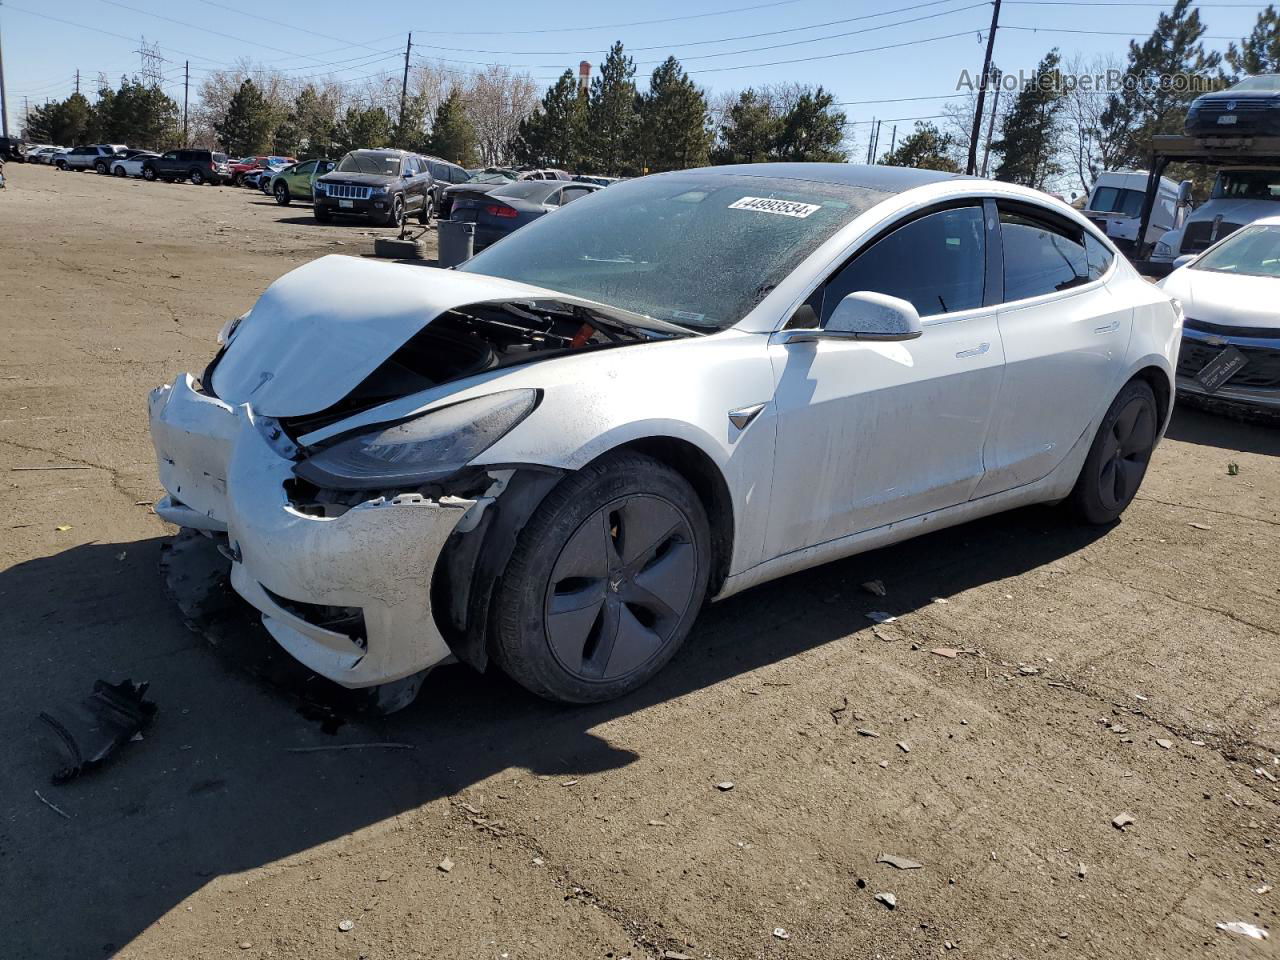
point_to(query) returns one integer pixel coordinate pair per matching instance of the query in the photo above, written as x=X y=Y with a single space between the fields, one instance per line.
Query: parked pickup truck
x=198 y=166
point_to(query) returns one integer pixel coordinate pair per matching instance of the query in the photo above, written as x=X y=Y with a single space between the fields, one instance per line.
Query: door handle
x=977 y=351
x=1111 y=327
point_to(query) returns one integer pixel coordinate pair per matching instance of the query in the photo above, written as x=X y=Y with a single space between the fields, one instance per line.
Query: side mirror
x=1183 y=260
x=1184 y=193
x=864 y=315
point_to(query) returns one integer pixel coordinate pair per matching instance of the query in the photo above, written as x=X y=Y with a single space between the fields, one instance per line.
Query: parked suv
x=96 y=157
x=198 y=166
x=443 y=175
x=294 y=182
x=384 y=185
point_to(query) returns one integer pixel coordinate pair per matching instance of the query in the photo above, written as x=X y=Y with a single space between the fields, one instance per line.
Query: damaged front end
x=369 y=543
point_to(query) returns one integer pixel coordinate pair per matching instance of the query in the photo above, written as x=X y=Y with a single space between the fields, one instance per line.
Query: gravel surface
x=1100 y=672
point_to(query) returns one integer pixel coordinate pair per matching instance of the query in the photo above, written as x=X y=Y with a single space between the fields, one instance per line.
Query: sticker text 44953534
x=784 y=208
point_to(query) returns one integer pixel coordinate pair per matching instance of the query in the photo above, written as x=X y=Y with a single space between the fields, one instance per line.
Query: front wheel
x=428 y=206
x=100 y=168
x=118 y=171
x=395 y=216
x=197 y=178
x=322 y=213
x=605 y=581
x=148 y=173
x=1118 y=459
x=282 y=194
x=237 y=180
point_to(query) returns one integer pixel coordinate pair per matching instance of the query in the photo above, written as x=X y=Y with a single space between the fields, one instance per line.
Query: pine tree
x=1029 y=131
x=1260 y=51
x=246 y=127
x=612 y=116
x=452 y=135
x=310 y=128
x=1154 y=107
x=750 y=131
x=927 y=148
x=554 y=135
x=812 y=130
x=674 y=134
x=363 y=129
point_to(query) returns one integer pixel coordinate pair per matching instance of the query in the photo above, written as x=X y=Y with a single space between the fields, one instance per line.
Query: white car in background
x=131 y=164
x=45 y=154
x=676 y=388
x=1231 y=331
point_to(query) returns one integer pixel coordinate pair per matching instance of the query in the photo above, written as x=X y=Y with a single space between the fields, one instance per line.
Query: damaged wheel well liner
x=473 y=562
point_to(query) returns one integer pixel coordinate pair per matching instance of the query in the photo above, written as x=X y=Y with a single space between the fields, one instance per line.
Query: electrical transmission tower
x=152 y=63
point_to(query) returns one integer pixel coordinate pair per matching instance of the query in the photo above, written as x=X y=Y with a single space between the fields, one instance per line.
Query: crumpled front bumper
x=225 y=473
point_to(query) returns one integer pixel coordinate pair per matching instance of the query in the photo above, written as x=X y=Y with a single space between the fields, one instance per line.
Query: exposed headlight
x=1162 y=249
x=229 y=329
x=377 y=191
x=427 y=448
x=319 y=187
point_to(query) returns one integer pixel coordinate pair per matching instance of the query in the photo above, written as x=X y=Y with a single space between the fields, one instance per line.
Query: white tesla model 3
x=673 y=389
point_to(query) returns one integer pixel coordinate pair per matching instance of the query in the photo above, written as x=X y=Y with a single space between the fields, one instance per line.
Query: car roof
x=878 y=177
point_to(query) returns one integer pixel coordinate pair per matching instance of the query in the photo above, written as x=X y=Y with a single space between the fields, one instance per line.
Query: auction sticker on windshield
x=785 y=208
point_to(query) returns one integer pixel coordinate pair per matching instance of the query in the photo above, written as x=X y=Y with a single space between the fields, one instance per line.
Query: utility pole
x=875 y=143
x=871 y=138
x=4 y=103
x=404 y=84
x=77 y=80
x=982 y=91
x=893 y=139
x=186 y=87
x=991 y=124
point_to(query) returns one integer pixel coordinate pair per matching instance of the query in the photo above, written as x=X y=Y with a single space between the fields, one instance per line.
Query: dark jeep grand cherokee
x=384 y=185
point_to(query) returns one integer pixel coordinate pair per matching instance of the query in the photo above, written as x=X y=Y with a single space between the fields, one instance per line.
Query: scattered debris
x=949 y=652
x=63 y=527
x=837 y=712
x=875 y=587
x=901 y=863
x=571 y=783
x=1199 y=526
x=879 y=616
x=657 y=823
x=675 y=955
x=1233 y=469
x=352 y=746
x=57 y=809
x=445 y=865
x=538 y=861
x=346 y=925
x=1082 y=871
x=93 y=729
x=888 y=899
x=1262 y=890
x=1164 y=744
x=724 y=785
x=1116 y=728
x=884 y=764
x=246 y=945
x=888 y=636
x=1244 y=930
x=1265 y=774
x=1123 y=820
x=940 y=600
x=864 y=732
x=904 y=746
x=383 y=877
x=781 y=934
x=1028 y=671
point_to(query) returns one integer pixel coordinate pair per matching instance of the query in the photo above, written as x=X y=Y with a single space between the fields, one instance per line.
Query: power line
x=940 y=96
x=610 y=26
x=1099 y=33
x=859 y=123
x=847 y=53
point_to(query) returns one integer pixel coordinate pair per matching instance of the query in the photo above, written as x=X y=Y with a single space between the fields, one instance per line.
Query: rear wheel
x=197 y=178
x=100 y=167
x=1118 y=459
x=322 y=213
x=428 y=206
x=282 y=194
x=395 y=216
x=118 y=170
x=604 y=583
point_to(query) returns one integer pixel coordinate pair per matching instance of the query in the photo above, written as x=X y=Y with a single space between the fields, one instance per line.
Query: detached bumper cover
x=223 y=474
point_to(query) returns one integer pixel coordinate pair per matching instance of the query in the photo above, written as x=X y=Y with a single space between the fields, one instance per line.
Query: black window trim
x=1056 y=221
x=953 y=203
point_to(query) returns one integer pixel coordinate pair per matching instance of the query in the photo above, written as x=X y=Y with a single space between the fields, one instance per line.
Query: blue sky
x=928 y=44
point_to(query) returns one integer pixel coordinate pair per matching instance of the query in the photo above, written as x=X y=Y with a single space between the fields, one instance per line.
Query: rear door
x=1064 y=337
x=871 y=433
x=300 y=178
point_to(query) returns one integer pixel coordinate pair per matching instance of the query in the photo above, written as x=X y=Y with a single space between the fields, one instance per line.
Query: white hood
x=1234 y=211
x=1226 y=299
x=321 y=329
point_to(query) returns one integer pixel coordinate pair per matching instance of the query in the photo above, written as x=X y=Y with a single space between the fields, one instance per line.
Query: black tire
x=237 y=180
x=61 y=165
x=621 y=623
x=322 y=213
x=149 y=173
x=1117 y=461
x=100 y=168
x=428 y=207
x=197 y=178
x=117 y=171
x=281 y=191
x=395 y=216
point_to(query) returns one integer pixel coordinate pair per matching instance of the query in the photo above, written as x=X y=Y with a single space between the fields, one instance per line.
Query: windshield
x=699 y=250
x=366 y=161
x=1267 y=83
x=1251 y=252
x=490 y=178
x=526 y=190
x=1116 y=200
x=1247 y=185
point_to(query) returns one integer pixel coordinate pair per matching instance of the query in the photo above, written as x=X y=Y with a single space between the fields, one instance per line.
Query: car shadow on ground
x=214 y=788
x=1241 y=433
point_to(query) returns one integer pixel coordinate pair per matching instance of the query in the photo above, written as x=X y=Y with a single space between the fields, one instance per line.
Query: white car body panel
x=131 y=167
x=855 y=445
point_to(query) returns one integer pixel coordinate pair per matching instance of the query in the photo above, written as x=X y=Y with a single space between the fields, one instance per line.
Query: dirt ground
x=1131 y=670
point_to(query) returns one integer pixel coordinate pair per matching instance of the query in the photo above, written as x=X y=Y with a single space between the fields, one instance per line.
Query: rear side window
x=937 y=263
x=458 y=175
x=1041 y=255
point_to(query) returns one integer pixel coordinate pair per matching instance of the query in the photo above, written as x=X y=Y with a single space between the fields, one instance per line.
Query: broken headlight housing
x=229 y=329
x=418 y=451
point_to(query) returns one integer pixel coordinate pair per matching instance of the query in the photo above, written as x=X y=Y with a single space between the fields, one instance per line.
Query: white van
x=1240 y=195
x=1115 y=205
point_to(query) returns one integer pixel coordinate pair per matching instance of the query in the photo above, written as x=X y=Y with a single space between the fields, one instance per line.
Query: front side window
x=1247 y=185
x=1040 y=256
x=937 y=263
x=305 y=167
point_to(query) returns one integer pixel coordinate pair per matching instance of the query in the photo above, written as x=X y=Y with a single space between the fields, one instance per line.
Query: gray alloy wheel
x=118 y=170
x=100 y=168
x=620 y=587
x=1117 y=461
x=605 y=581
x=396 y=215
x=282 y=193
x=149 y=173
x=197 y=178
x=428 y=206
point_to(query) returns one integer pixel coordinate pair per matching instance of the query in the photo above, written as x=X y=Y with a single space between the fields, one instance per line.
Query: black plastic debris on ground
x=96 y=727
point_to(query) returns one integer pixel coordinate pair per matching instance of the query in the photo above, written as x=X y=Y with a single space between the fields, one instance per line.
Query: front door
x=871 y=433
x=300 y=179
x=1064 y=334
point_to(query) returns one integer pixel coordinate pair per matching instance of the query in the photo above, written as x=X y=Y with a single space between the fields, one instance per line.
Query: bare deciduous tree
x=497 y=99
